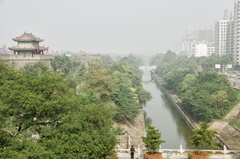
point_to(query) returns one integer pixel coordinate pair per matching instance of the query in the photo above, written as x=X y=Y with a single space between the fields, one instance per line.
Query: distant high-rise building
x=207 y=35
x=188 y=46
x=225 y=35
x=221 y=28
x=226 y=15
x=211 y=50
x=230 y=36
x=192 y=34
x=196 y=36
x=236 y=30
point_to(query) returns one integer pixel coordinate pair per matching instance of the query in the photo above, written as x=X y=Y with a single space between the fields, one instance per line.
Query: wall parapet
x=25 y=57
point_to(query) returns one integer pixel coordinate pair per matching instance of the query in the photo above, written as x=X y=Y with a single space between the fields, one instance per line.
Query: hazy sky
x=120 y=26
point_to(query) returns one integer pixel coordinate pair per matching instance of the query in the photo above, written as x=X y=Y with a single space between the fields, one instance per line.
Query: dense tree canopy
x=106 y=60
x=118 y=84
x=205 y=93
x=62 y=63
x=39 y=112
x=67 y=112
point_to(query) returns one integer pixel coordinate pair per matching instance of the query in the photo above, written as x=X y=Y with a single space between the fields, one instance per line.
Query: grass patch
x=235 y=122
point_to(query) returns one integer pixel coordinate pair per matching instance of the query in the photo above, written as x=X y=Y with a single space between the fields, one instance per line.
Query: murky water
x=163 y=115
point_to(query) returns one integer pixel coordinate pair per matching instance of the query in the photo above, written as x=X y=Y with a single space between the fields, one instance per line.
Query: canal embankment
x=228 y=135
x=134 y=130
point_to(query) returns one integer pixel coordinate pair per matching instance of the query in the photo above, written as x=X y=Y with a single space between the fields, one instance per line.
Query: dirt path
x=234 y=113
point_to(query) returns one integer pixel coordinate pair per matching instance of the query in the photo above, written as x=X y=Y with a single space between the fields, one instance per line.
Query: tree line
x=204 y=93
x=67 y=111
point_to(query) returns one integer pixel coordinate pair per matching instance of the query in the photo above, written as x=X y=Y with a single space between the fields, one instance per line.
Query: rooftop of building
x=27 y=37
x=32 y=48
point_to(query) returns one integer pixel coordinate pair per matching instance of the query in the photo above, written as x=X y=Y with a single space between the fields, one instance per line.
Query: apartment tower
x=222 y=28
x=236 y=51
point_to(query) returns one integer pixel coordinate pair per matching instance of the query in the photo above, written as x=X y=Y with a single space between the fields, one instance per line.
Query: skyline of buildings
x=223 y=40
x=195 y=39
x=228 y=34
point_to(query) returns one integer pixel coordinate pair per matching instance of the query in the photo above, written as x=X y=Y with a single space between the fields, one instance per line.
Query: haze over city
x=126 y=26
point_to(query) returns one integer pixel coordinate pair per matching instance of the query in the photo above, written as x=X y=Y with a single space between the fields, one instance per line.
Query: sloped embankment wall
x=134 y=131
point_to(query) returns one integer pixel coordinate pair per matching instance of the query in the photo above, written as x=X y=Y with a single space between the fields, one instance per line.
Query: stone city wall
x=19 y=61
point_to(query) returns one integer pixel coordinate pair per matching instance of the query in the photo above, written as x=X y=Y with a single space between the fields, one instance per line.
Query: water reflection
x=148 y=120
x=165 y=117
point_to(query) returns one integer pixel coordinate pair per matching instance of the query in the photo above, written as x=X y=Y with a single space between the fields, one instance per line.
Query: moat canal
x=162 y=114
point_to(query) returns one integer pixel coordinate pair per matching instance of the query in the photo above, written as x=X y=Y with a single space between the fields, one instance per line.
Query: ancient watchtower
x=27 y=50
x=28 y=44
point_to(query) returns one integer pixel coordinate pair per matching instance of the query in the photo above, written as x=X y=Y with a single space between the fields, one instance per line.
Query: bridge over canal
x=150 y=68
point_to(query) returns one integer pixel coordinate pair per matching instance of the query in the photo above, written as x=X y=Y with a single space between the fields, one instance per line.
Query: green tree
x=29 y=102
x=153 y=139
x=142 y=95
x=66 y=124
x=187 y=83
x=86 y=132
x=44 y=98
x=169 y=56
x=98 y=80
x=61 y=63
x=174 y=78
x=128 y=94
x=203 y=136
x=206 y=95
x=106 y=60
x=208 y=63
x=119 y=86
x=220 y=101
x=35 y=69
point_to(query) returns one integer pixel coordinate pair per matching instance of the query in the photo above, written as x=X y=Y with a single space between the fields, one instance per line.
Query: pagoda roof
x=16 y=48
x=27 y=37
